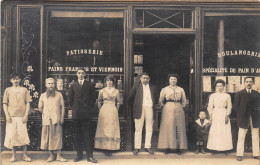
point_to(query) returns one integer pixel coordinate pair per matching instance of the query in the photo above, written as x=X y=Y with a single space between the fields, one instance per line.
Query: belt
x=175 y=101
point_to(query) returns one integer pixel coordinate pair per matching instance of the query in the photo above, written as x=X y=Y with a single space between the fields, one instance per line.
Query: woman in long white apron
x=219 y=108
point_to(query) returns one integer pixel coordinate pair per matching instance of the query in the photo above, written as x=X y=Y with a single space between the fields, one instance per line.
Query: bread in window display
x=59 y=84
x=99 y=84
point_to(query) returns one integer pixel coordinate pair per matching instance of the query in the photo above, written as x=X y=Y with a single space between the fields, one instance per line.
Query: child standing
x=202 y=129
x=16 y=104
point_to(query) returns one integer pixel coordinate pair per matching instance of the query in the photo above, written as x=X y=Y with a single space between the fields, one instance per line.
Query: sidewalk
x=143 y=158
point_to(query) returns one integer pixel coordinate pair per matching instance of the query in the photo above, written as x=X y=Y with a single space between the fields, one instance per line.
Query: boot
x=197 y=149
x=203 y=150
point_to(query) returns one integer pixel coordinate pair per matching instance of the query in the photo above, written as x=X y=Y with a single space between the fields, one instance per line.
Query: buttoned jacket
x=135 y=98
x=247 y=105
x=82 y=100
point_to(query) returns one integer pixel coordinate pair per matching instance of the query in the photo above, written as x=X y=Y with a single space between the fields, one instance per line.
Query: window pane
x=163 y=19
x=93 y=43
x=231 y=52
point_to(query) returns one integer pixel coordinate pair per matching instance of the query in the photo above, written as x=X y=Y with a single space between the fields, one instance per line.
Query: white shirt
x=147 y=98
x=81 y=82
x=248 y=90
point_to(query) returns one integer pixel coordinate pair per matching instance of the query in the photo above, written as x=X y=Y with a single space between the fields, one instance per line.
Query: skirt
x=172 y=129
x=220 y=137
x=16 y=133
x=108 y=130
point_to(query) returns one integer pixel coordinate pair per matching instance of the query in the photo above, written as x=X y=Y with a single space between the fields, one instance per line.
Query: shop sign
x=84 y=52
x=239 y=53
x=231 y=70
x=90 y=69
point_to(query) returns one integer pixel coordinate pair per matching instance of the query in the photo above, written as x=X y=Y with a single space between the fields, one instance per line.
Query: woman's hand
x=25 y=119
x=8 y=119
x=61 y=121
x=210 y=120
x=226 y=119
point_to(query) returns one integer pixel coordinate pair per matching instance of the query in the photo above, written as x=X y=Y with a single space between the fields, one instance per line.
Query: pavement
x=127 y=158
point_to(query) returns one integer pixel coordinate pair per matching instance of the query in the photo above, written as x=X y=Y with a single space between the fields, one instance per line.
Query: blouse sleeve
x=6 y=97
x=183 y=98
x=162 y=97
x=100 y=98
x=229 y=104
x=211 y=104
x=28 y=97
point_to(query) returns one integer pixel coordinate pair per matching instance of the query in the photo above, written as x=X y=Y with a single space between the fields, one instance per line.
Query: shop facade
x=200 y=41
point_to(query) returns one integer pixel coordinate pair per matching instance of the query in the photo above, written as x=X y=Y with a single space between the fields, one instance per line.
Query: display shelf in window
x=138 y=58
x=233 y=83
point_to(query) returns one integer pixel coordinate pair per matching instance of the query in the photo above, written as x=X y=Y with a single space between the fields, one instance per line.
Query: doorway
x=160 y=55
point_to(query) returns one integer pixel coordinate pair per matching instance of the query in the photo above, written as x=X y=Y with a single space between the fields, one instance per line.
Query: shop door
x=160 y=55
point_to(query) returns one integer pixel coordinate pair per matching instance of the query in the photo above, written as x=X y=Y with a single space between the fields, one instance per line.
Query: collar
x=206 y=121
x=147 y=85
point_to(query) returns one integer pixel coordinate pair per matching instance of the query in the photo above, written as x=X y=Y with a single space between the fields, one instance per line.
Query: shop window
x=178 y=19
x=92 y=40
x=231 y=52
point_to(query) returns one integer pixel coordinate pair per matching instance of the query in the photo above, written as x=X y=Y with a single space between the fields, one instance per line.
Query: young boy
x=16 y=104
x=202 y=129
x=51 y=104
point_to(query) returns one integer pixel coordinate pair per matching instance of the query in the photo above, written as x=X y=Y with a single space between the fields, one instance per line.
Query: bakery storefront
x=200 y=41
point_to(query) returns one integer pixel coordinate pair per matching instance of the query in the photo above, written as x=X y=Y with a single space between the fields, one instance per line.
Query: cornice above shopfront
x=143 y=1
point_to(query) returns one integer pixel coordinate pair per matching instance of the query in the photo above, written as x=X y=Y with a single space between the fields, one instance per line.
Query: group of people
x=142 y=98
x=219 y=138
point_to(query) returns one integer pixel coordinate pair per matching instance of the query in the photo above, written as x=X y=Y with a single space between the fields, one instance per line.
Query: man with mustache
x=142 y=97
x=51 y=104
x=246 y=105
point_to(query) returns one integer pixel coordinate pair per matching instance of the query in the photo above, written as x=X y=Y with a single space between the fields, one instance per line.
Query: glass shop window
x=231 y=52
x=92 y=40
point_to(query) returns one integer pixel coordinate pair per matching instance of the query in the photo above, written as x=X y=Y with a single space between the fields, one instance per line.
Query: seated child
x=202 y=129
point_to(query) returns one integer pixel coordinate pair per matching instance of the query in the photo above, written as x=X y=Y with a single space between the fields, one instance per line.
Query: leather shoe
x=92 y=160
x=167 y=151
x=78 y=158
x=135 y=152
x=203 y=151
x=256 y=157
x=178 y=151
x=239 y=158
x=149 y=150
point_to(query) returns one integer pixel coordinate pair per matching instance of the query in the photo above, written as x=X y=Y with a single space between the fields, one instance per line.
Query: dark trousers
x=84 y=140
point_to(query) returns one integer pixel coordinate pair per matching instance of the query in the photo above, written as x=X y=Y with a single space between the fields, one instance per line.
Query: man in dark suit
x=81 y=100
x=143 y=98
x=246 y=105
